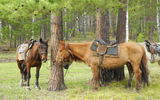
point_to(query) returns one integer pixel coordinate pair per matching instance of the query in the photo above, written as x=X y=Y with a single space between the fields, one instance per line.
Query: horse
x=132 y=54
x=152 y=57
x=34 y=58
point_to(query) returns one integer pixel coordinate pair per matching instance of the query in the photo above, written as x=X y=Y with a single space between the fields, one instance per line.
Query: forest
x=76 y=21
x=24 y=19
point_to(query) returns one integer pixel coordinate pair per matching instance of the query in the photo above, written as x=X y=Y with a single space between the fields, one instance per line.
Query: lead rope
x=65 y=73
x=68 y=68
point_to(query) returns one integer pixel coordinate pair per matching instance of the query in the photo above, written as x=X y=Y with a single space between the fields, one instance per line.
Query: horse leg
x=95 y=71
x=28 y=77
x=137 y=75
x=21 y=71
x=37 y=78
x=131 y=73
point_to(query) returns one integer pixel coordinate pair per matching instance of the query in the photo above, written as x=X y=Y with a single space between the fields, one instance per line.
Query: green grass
x=78 y=88
x=7 y=55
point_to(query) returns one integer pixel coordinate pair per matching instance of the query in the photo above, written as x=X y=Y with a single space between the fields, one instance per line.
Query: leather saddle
x=102 y=49
x=154 y=48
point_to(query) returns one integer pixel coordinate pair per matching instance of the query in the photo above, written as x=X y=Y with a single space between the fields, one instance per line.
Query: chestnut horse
x=34 y=58
x=132 y=54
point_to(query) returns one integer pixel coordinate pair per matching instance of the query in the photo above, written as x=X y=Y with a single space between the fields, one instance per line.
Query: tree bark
x=120 y=37
x=84 y=25
x=105 y=75
x=0 y=31
x=44 y=27
x=103 y=25
x=65 y=25
x=158 y=24
x=57 y=76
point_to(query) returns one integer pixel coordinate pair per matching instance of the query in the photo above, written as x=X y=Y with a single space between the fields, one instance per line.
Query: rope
x=65 y=73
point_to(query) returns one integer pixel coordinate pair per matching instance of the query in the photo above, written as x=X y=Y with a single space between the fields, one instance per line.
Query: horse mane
x=76 y=59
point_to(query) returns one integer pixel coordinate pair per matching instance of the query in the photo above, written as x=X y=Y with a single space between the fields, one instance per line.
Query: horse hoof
x=38 y=88
x=28 y=88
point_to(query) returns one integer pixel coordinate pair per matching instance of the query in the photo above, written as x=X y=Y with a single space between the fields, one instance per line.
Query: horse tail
x=144 y=68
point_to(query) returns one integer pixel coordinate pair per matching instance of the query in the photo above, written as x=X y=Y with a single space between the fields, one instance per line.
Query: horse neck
x=34 y=51
x=78 y=50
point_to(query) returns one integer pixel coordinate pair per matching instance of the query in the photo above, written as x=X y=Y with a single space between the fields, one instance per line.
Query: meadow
x=77 y=82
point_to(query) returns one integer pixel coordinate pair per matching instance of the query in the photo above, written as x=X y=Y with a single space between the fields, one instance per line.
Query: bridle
x=66 y=49
x=62 y=58
x=42 y=52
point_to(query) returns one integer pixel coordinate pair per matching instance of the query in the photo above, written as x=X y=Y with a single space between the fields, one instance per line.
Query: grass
x=78 y=88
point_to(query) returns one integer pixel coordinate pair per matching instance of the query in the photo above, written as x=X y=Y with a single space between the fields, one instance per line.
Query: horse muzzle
x=44 y=60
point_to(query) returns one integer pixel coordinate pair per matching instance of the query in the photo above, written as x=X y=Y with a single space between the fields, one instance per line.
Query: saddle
x=154 y=47
x=24 y=49
x=102 y=49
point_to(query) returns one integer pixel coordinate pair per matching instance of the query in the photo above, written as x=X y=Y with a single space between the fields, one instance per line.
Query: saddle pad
x=112 y=51
x=22 y=48
x=94 y=46
x=21 y=56
x=157 y=49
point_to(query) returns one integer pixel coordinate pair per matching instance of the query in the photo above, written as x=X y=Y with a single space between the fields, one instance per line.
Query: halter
x=42 y=52
x=62 y=58
x=66 y=48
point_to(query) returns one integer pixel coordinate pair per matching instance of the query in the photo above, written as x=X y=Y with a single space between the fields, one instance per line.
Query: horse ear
x=148 y=42
x=62 y=42
x=40 y=40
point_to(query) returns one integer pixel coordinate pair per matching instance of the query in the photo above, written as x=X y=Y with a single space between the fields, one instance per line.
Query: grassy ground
x=76 y=80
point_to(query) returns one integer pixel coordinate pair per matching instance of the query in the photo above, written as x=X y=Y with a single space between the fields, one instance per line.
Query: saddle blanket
x=111 y=51
x=22 y=51
x=22 y=48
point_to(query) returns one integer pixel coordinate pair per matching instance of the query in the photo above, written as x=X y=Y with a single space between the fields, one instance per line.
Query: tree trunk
x=0 y=31
x=158 y=25
x=105 y=75
x=85 y=25
x=44 y=28
x=103 y=25
x=11 y=36
x=33 y=20
x=121 y=29
x=65 y=25
x=120 y=37
x=127 y=28
x=57 y=76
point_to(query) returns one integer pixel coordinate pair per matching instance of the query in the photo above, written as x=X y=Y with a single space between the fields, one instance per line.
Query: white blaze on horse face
x=44 y=57
x=60 y=55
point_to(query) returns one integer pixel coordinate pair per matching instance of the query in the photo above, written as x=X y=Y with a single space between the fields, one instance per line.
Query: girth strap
x=100 y=60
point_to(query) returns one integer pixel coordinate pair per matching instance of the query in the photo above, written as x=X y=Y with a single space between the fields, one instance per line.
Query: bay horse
x=34 y=58
x=132 y=54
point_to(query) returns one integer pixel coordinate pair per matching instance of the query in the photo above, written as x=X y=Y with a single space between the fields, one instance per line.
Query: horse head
x=64 y=55
x=43 y=49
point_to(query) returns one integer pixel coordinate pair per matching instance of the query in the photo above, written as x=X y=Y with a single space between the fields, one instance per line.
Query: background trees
x=23 y=19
